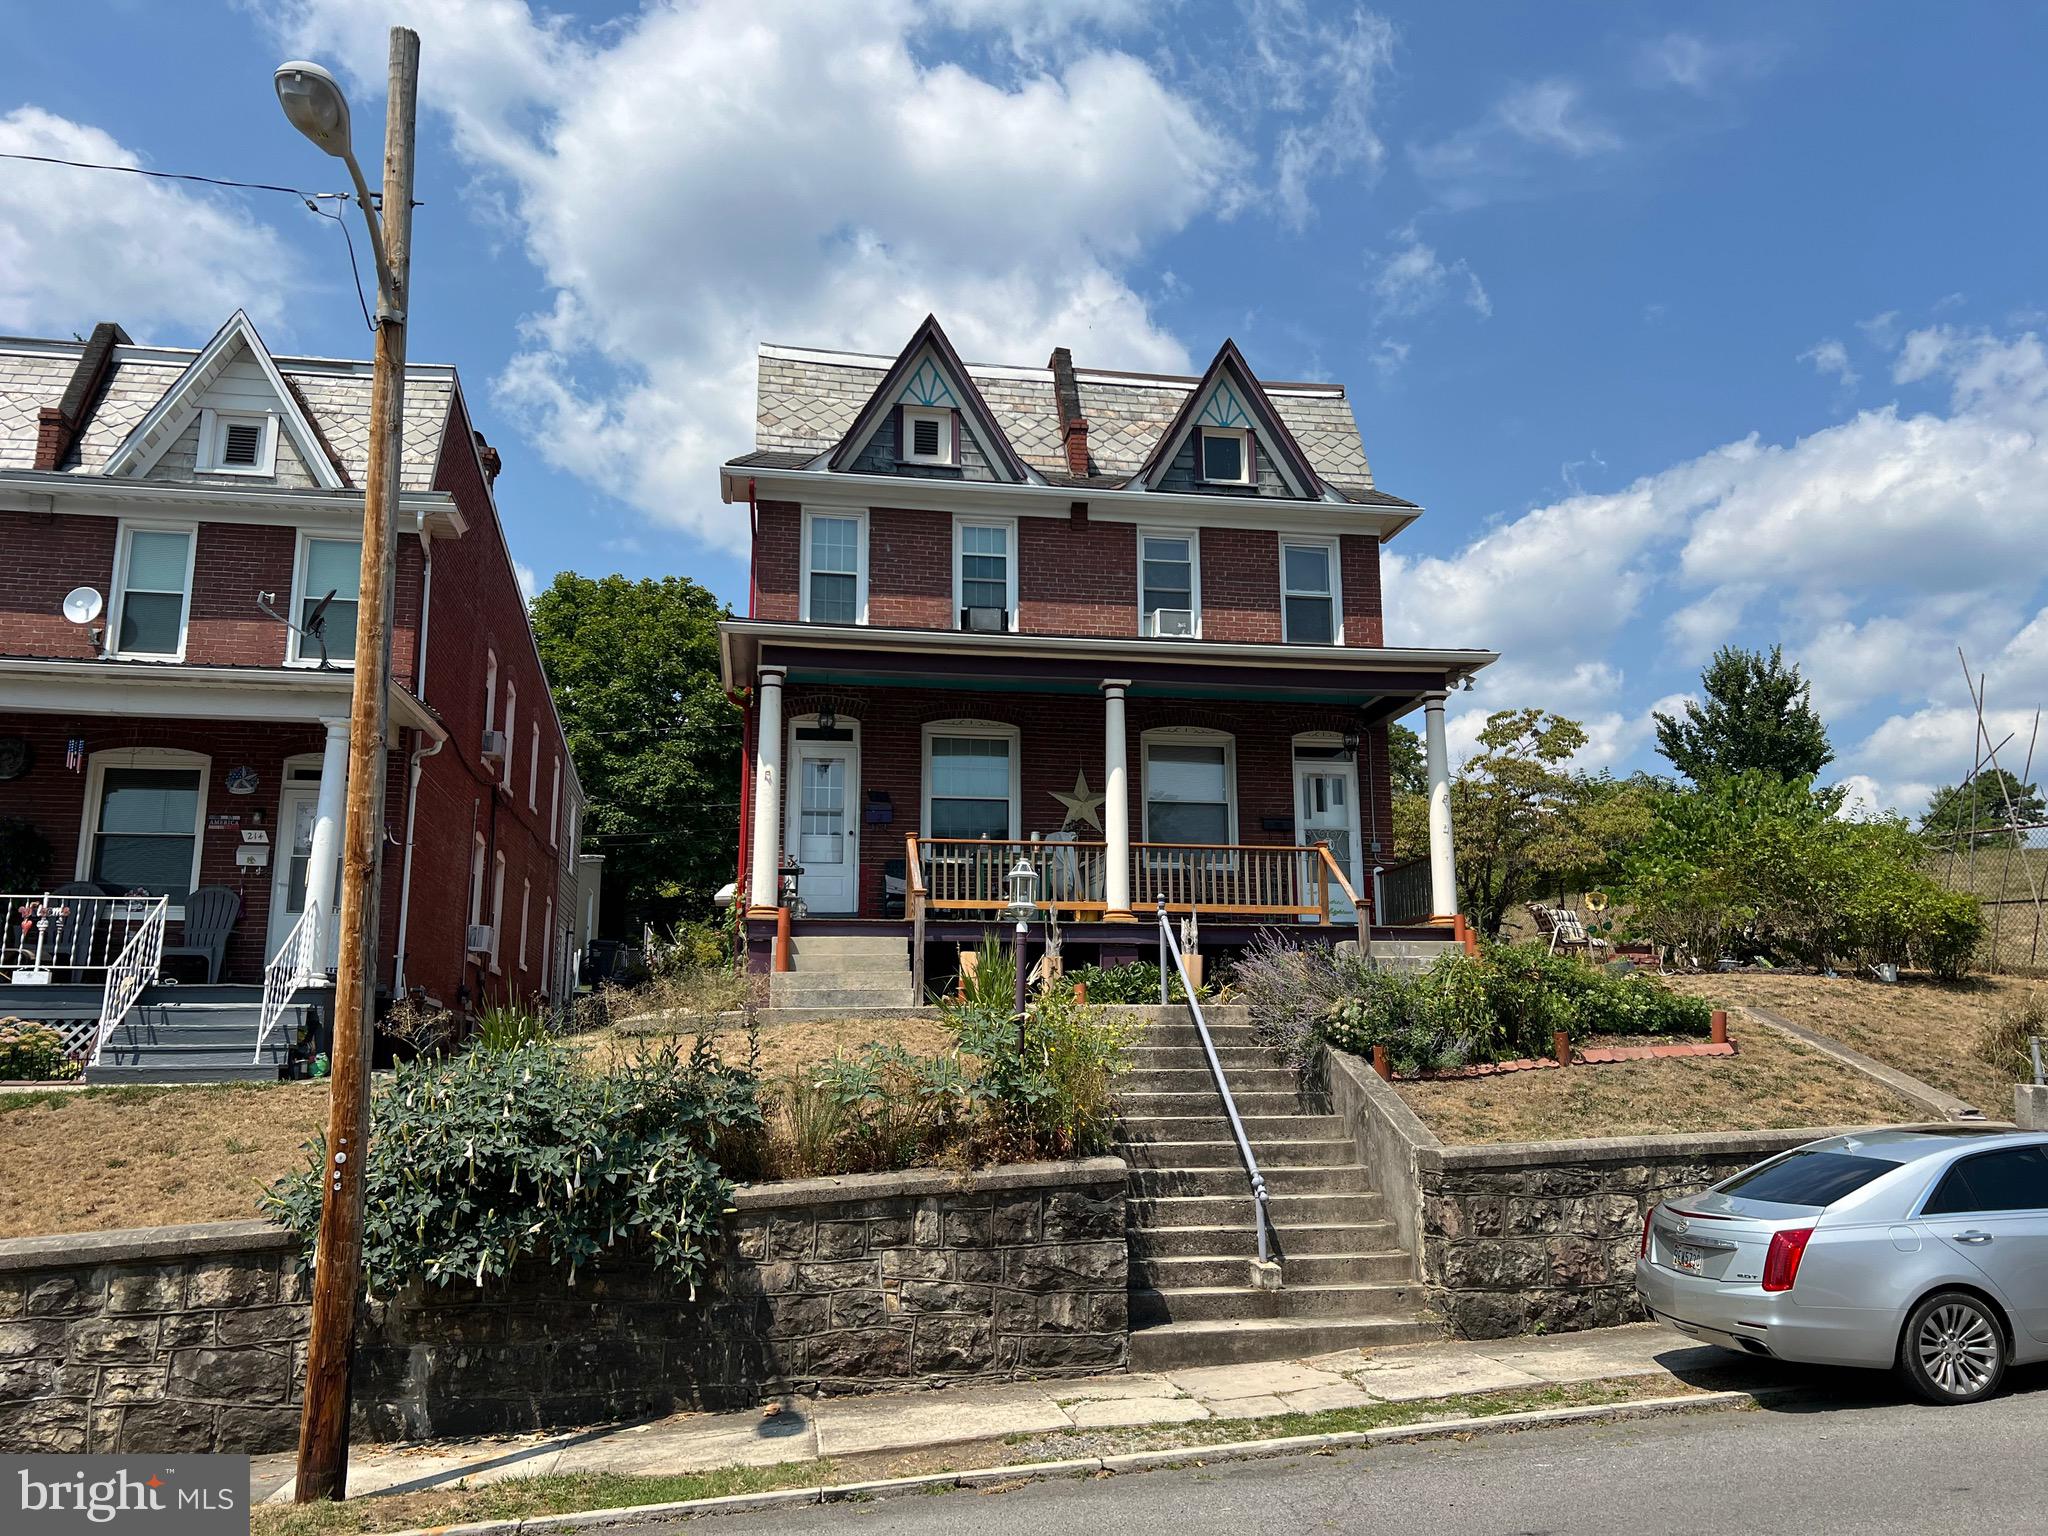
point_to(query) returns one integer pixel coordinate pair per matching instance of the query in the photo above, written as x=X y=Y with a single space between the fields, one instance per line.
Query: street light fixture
x=315 y=105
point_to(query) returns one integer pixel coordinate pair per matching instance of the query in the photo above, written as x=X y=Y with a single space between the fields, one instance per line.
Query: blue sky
x=1685 y=325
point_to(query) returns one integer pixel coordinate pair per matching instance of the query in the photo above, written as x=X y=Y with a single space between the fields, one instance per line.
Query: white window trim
x=511 y=739
x=490 y=689
x=533 y=767
x=293 y=656
x=993 y=730
x=213 y=427
x=944 y=417
x=547 y=951
x=1244 y=455
x=860 y=563
x=1193 y=536
x=476 y=877
x=1336 y=594
x=555 y=806
x=123 y=539
x=525 y=910
x=1186 y=735
x=1009 y=525
x=497 y=908
x=141 y=757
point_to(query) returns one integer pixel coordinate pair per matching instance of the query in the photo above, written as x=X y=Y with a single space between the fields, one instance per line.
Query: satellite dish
x=82 y=605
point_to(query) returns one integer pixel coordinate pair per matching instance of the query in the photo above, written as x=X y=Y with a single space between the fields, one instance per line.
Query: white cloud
x=1831 y=359
x=1343 y=63
x=1694 y=64
x=523 y=573
x=1526 y=129
x=1413 y=278
x=1923 y=354
x=1551 y=113
x=690 y=182
x=1711 y=621
x=1881 y=331
x=80 y=246
x=1389 y=357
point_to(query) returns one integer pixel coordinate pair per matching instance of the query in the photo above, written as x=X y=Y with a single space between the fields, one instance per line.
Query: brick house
x=174 y=703
x=1125 y=628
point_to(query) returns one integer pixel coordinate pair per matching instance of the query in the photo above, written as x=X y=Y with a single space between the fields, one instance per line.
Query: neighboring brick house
x=193 y=501
x=1124 y=627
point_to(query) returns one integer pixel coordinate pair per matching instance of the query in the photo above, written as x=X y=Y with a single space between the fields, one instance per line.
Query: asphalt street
x=1857 y=1460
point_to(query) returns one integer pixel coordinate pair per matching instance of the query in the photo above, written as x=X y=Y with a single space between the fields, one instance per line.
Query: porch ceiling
x=184 y=691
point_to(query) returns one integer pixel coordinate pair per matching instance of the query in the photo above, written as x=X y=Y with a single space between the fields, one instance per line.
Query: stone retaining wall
x=191 y=1339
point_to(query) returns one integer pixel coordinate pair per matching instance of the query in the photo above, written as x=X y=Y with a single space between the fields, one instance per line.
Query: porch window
x=834 y=576
x=327 y=565
x=143 y=821
x=985 y=575
x=1190 y=787
x=1168 y=602
x=971 y=782
x=1308 y=593
x=155 y=589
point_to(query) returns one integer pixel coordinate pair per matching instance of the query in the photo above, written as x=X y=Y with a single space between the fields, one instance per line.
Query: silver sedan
x=1923 y=1250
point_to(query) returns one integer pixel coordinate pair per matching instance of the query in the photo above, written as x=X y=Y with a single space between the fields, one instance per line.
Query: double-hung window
x=1169 y=599
x=144 y=811
x=835 y=568
x=1190 y=787
x=985 y=574
x=971 y=780
x=154 y=591
x=327 y=565
x=1309 y=604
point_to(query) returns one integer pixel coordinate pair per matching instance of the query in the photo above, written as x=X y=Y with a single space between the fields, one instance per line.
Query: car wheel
x=1953 y=1349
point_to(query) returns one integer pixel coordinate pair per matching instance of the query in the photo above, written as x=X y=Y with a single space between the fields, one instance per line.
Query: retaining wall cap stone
x=1635 y=1149
x=75 y=1250
x=1081 y=1173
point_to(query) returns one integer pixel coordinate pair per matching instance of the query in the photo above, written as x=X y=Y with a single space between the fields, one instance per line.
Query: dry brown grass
x=1774 y=1083
x=1926 y=1028
x=785 y=1047
x=107 y=1158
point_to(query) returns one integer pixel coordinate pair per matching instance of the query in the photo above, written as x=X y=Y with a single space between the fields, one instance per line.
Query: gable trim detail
x=180 y=406
x=939 y=381
x=1230 y=397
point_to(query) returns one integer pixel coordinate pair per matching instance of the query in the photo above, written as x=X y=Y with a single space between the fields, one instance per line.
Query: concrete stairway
x=839 y=971
x=211 y=1039
x=1346 y=1281
x=1409 y=955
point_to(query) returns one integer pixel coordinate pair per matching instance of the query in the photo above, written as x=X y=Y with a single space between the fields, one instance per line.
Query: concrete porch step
x=1179 y=1346
x=1280 y=1103
x=1222 y=1153
x=1242 y=1080
x=883 y=946
x=1150 y=1057
x=1288 y=1213
x=1183 y=1272
x=1240 y=1036
x=1212 y=1127
x=1236 y=1241
x=153 y=1071
x=855 y=969
x=839 y=997
x=1153 y=1183
x=1220 y=1303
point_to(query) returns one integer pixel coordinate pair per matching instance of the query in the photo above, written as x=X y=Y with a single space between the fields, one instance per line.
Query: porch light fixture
x=1022 y=908
x=828 y=719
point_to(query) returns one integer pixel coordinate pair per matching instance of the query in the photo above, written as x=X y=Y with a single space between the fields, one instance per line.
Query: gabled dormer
x=230 y=417
x=1228 y=440
x=926 y=419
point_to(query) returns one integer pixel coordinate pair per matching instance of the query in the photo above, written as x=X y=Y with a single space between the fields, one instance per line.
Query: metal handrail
x=134 y=969
x=289 y=967
x=1169 y=945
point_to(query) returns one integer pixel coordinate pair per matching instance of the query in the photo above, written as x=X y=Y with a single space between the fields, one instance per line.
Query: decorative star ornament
x=1083 y=807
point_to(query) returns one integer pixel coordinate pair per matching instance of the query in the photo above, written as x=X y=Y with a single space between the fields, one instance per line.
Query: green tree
x=1405 y=762
x=1986 y=807
x=1758 y=715
x=634 y=668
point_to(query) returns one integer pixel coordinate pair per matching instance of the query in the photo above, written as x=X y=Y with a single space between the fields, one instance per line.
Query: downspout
x=419 y=671
x=753 y=549
x=412 y=805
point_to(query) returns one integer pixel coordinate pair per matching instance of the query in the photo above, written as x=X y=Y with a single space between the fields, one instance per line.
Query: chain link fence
x=2007 y=870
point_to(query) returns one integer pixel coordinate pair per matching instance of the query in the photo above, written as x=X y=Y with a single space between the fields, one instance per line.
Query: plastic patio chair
x=210 y=916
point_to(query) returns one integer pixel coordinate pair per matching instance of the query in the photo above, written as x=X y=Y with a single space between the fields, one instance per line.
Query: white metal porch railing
x=286 y=971
x=58 y=937
x=134 y=968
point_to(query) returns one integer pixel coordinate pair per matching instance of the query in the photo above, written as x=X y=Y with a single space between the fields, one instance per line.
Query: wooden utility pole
x=338 y=1258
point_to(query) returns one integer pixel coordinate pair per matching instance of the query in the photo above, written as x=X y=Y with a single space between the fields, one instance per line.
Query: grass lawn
x=1774 y=1083
x=1923 y=1027
x=107 y=1158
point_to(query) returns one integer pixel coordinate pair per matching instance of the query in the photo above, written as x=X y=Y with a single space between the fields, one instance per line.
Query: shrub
x=2006 y=1040
x=1052 y=1094
x=481 y=1160
x=1291 y=988
x=32 y=1052
x=504 y=1027
x=893 y=1108
x=806 y=1122
x=990 y=983
x=1136 y=981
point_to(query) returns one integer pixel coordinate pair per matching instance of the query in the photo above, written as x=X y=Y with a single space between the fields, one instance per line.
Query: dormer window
x=1225 y=455
x=927 y=436
x=237 y=444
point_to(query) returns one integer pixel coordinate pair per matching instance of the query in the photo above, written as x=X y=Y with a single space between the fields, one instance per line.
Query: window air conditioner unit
x=480 y=935
x=1173 y=621
x=985 y=620
x=494 y=747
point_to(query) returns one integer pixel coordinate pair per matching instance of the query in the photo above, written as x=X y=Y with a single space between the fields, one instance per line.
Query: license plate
x=1687 y=1260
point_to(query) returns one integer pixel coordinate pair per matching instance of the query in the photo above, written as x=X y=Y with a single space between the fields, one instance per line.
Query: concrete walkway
x=810 y=1429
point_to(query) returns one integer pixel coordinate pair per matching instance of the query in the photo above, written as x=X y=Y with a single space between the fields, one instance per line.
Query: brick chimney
x=58 y=426
x=1073 y=425
x=489 y=457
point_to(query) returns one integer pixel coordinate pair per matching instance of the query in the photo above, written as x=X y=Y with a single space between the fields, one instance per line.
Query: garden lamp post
x=313 y=102
x=1023 y=906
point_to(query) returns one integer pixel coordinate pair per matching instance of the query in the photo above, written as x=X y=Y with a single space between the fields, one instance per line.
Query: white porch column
x=1443 y=871
x=764 y=877
x=323 y=857
x=1116 y=807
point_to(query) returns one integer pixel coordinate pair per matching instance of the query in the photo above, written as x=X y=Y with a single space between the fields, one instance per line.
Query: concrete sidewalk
x=811 y=1429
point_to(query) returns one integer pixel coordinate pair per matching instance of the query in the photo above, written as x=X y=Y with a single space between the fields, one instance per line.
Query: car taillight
x=1648 y=1216
x=1781 y=1264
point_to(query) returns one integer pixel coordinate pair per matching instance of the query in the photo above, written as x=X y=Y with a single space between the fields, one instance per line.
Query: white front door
x=290 y=855
x=824 y=823
x=1326 y=808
